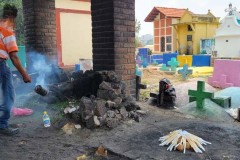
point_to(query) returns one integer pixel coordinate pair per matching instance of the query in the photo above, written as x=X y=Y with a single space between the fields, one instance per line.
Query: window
x=169 y=39
x=169 y=47
x=189 y=37
x=162 y=44
x=189 y=28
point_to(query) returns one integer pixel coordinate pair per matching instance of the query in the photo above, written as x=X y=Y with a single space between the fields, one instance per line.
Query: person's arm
x=10 y=43
x=16 y=62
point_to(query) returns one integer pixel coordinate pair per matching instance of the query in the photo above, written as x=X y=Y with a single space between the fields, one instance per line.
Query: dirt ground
x=129 y=141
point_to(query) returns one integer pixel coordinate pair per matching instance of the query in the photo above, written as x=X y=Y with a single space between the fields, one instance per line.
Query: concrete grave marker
x=139 y=61
x=164 y=68
x=144 y=62
x=200 y=94
x=226 y=73
x=173 y=63
x=185 y=72
x=138 y=72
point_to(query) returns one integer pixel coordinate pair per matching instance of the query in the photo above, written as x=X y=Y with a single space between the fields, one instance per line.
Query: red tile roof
x=169 y=12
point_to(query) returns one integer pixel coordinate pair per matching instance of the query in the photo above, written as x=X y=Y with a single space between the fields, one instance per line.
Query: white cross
x=230 y=9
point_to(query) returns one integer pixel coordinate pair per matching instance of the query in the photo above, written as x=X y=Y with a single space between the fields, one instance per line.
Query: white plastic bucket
x=86 y=64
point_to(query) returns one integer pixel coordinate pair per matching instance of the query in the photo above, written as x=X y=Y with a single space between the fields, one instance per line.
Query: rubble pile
x=105 y=101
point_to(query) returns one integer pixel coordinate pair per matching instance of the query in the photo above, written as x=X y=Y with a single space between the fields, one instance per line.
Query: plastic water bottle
x=46 y=120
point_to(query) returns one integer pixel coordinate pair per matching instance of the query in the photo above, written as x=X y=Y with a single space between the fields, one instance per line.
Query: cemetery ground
x=129 y=141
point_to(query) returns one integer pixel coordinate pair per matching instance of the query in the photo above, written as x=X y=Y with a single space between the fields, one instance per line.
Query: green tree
x=137 y=30
x=19 y=28
x=137 y=27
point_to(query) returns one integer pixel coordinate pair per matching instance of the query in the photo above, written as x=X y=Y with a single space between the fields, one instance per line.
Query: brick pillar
x=113 y=31
x=40 y=28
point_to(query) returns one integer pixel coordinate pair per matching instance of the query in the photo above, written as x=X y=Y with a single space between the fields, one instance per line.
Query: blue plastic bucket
x=77 y=67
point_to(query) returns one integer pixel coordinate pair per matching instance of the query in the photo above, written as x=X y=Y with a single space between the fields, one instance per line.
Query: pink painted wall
x=226 y=74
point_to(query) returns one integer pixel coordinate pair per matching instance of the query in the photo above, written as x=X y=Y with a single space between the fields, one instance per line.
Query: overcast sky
x=217 y=7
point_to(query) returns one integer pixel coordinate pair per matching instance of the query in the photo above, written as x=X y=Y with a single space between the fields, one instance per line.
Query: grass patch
x=59 y=105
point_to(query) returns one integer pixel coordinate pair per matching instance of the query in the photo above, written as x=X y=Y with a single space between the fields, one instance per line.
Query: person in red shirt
x=8 y=49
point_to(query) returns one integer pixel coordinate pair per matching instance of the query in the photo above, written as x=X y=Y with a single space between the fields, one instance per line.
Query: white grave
x=227 y=37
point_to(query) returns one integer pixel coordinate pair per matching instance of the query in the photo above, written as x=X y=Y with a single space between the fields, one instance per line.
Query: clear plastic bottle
x=46 y=120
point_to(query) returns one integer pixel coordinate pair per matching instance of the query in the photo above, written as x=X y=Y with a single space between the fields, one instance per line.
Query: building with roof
x=195 y=29
x=181 y=30
x=227 y=37
x=164 y=34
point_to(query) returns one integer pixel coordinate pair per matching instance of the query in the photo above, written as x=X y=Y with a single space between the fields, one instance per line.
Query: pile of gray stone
x=109 y=106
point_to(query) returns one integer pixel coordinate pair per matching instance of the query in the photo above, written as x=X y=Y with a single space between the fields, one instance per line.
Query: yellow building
x=74 y=31
x=191 y=28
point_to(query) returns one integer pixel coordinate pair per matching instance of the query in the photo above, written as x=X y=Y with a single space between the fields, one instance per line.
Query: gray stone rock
x=110 y=104
x=118 y=101
x=123 y=90
x=100 y=108
x=102 y=119
x=117 y=111
x=112 y=122
x=96 y=121
x=76 y=116
x=138 y=119
x=130 y=104
x=106 y=86
x=110 y=114
x=123 y=113
x=112 y=76
x=116 y=85
x=118 y=116
x=90 y=124
x=106 y=94
x=86 y=108
x=141 y=112
x=135 y=116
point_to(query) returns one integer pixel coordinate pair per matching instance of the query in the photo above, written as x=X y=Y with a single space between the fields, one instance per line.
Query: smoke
x=41 y=67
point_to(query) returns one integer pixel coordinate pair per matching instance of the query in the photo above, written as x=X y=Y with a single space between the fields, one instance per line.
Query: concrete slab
x=226 y=74
x=201 y=71
x=233 y=92
x=210 y=111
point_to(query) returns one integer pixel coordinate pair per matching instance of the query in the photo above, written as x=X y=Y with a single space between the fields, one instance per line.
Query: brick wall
x=113 y=31
x=40 y=27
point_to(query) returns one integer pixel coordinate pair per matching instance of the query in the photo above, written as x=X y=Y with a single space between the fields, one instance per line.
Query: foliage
x=19 y=28
x=149 y=51
x=137 y=30
x=59 y=105
x=137 y=27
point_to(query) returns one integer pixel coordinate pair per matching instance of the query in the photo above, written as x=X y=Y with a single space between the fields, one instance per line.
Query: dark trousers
x=7 y=96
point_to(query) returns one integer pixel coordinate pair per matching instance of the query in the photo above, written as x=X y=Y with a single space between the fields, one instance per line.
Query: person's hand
x=27 y=78
x=3 y=57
